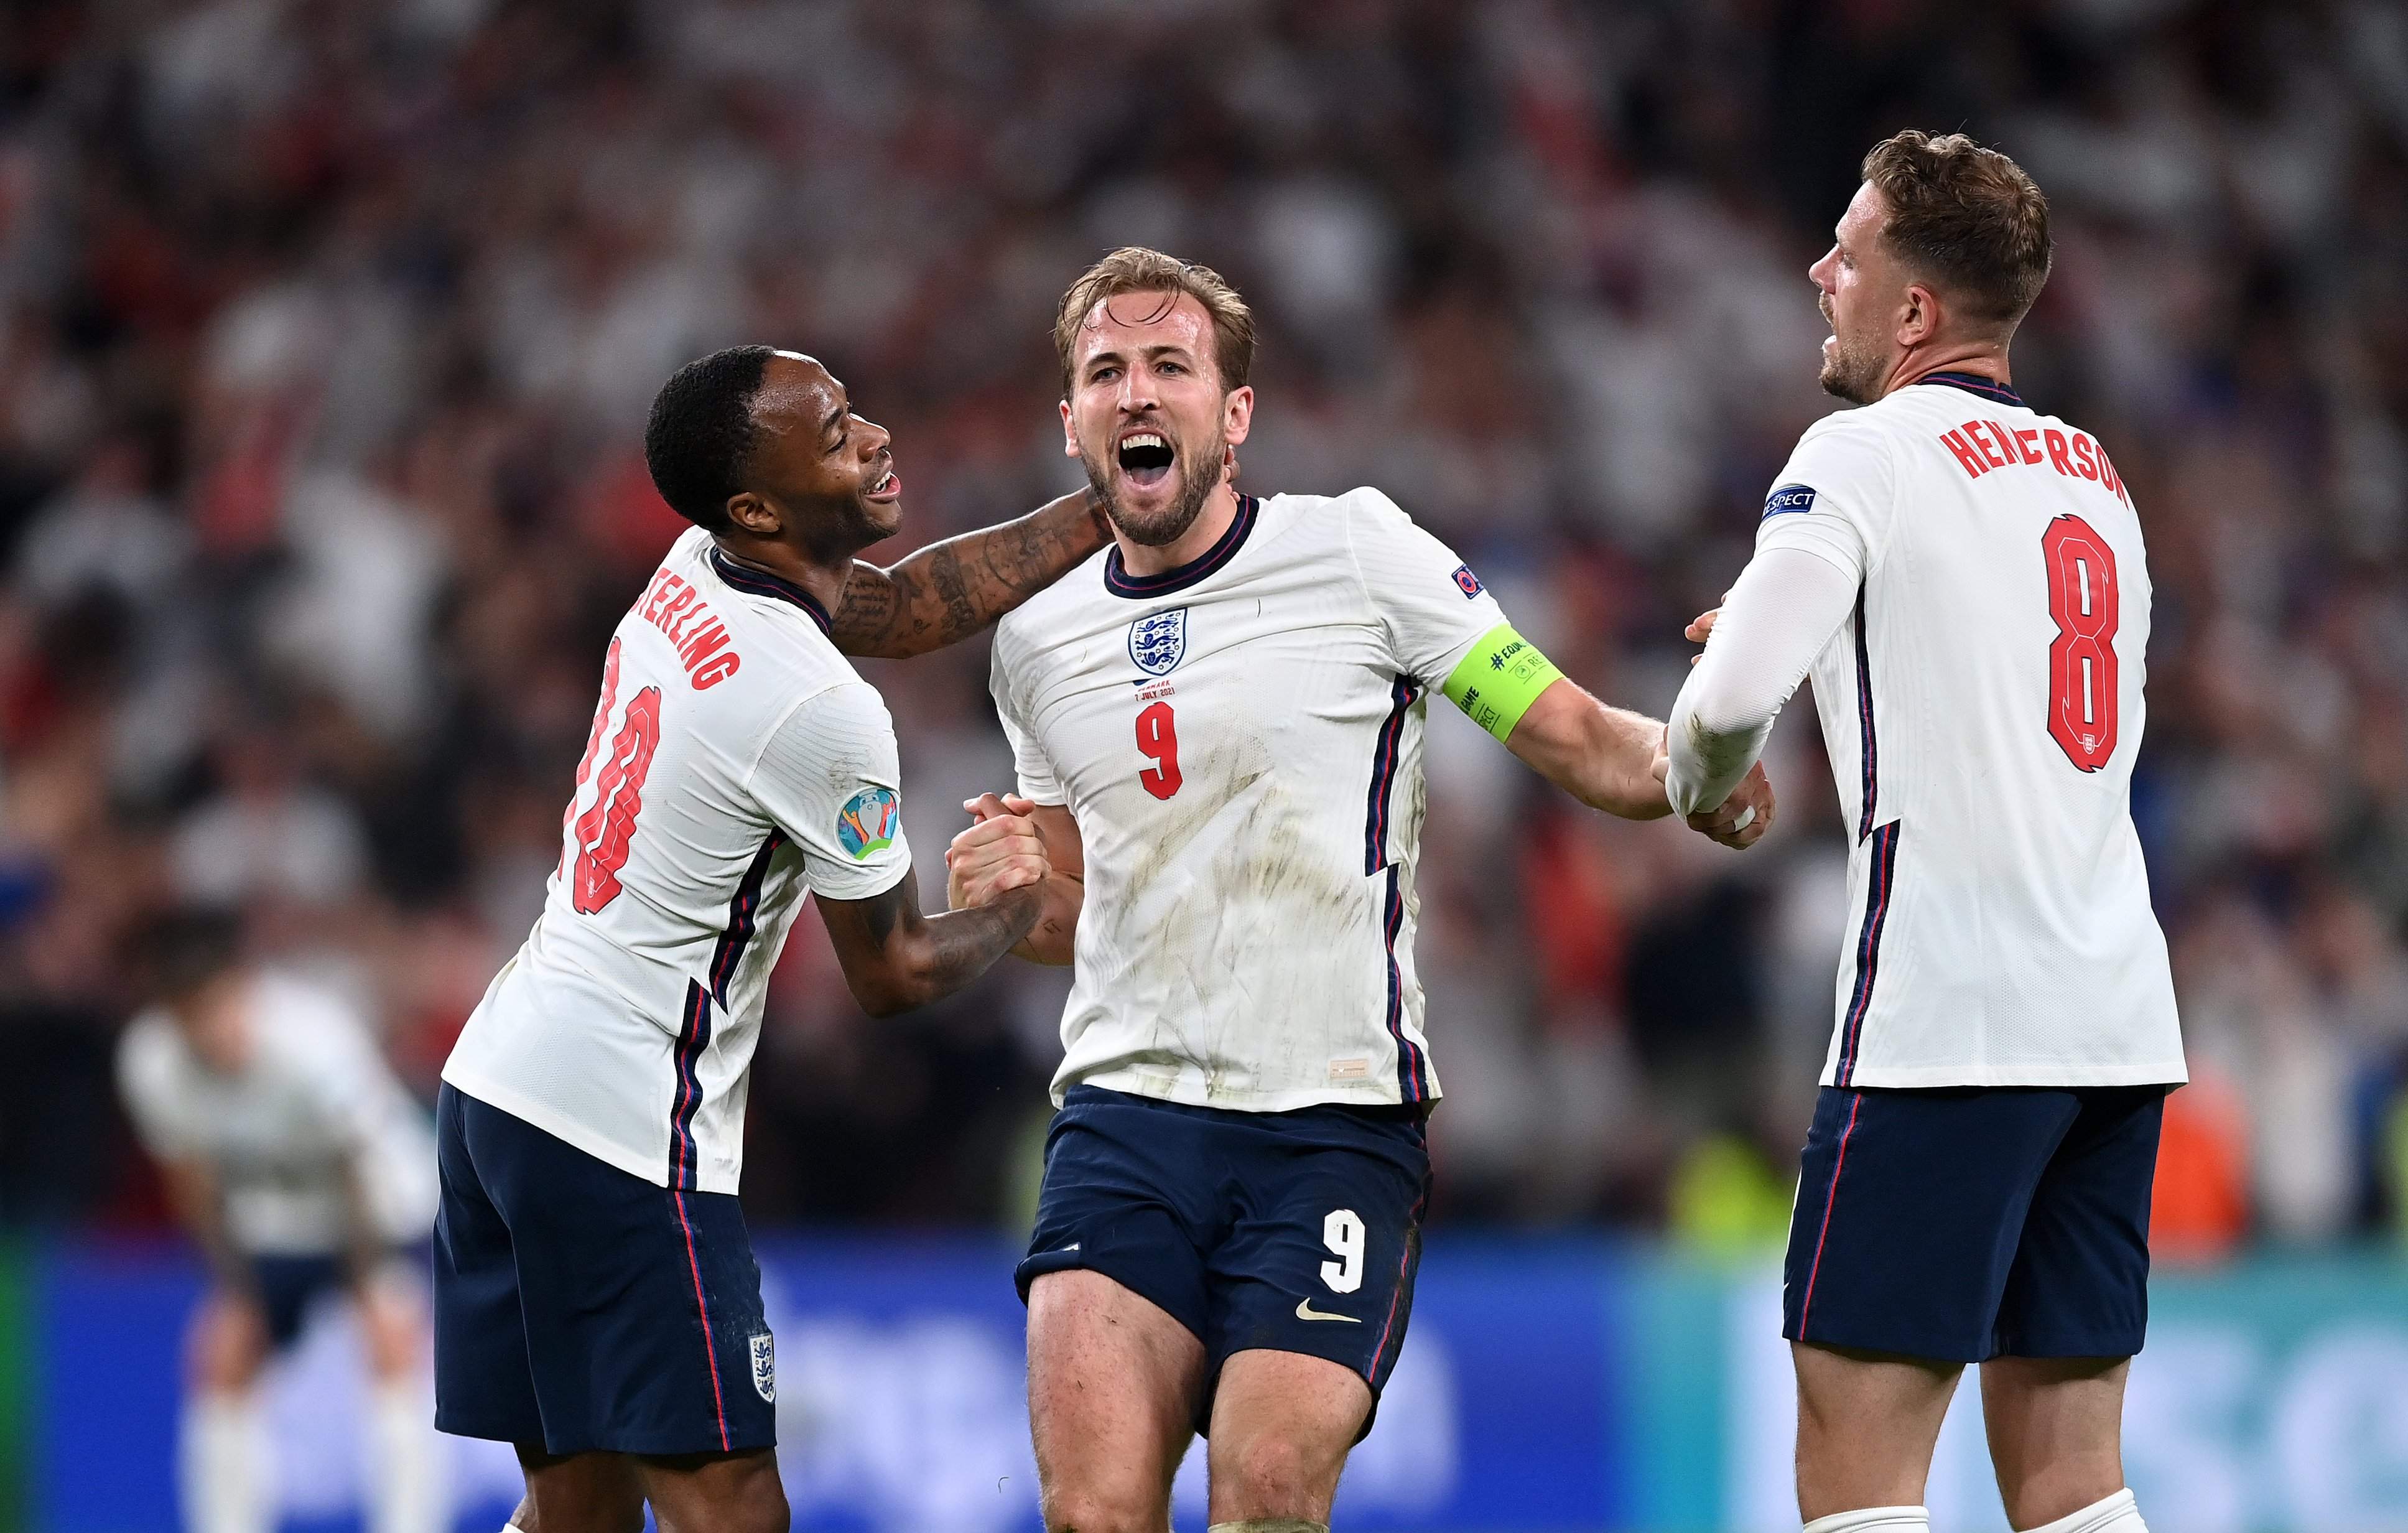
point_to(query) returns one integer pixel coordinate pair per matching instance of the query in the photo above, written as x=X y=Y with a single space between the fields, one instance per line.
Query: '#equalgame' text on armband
x=1499 y=679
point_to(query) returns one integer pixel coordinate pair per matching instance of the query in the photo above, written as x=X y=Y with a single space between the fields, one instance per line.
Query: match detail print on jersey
x=2081 y=675
x=1499 y=678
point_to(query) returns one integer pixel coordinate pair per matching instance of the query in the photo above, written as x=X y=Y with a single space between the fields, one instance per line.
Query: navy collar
x=1988 y=388
x=1142 y=587
x=760 y=582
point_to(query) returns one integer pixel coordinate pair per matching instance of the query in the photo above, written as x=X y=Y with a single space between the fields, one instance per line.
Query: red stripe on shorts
x=1841 y=1164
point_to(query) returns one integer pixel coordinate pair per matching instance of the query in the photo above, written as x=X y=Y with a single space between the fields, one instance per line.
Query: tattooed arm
x=951 y=589
x=895 y=959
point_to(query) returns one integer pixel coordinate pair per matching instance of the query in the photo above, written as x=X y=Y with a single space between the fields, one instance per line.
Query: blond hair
x=1133 y=268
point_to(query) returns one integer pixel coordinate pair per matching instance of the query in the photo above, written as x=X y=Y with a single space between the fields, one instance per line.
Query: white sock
x=1874 y=1520
x=2118 y=1514
x=409 y=1493
x=222 y=1464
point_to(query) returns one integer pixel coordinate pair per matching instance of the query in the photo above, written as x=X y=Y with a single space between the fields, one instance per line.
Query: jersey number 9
x=1157 y=735
x=2081 y=598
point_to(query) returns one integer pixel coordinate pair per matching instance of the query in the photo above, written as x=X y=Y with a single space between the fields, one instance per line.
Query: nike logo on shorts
x=1304 y=1310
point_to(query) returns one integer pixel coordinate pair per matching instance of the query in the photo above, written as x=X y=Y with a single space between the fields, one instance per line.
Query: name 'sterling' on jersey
x=696 y=633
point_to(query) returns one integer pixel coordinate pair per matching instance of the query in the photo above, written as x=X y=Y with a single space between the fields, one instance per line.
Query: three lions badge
x=764 y=1367
x=1159 y=642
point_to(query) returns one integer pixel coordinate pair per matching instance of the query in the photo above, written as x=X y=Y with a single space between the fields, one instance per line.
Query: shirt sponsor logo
x=1466 y=581
x=1159 y=642
x=1789 y=497
x=866 y=823
x=764 y=1367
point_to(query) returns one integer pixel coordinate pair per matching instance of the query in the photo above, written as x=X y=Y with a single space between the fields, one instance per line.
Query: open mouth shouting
x=887 y=487
x=1146 y=458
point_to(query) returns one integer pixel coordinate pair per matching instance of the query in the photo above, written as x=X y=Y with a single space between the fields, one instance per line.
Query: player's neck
x=824 y=580
x=1219 y=509
x=1980 y=359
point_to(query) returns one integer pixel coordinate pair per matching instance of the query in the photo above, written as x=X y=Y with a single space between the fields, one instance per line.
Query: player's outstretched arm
x=1602 y=757
x=895 y=959
x=948 y=591
x=1005 y=832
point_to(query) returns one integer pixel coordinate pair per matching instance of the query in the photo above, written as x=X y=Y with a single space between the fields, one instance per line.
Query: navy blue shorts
x=1279 y=1231
x=579 y=1308
x=289 y=1285
x=1971 y=1223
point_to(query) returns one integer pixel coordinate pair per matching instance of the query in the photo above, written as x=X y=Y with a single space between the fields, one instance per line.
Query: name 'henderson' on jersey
x=1982 y=707
x=762 y=767
x=1240 y=741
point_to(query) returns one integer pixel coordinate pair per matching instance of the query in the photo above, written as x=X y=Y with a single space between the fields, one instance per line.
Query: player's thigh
x=715 y=1493
x=1322 y=1261
x=1115 y=1384
x=1866 y=1423
x=580 y=1493
x=393 y=1323
x=227 y=1342
x=1910 y=1207
x=2055 y=1428
x=1283 y=1424
x=2079 y=1285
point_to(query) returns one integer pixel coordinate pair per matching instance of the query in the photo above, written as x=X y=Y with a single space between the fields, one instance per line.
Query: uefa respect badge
x=866 y=823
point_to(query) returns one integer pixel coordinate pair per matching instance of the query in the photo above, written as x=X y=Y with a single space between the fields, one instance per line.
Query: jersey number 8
x=2083 y=598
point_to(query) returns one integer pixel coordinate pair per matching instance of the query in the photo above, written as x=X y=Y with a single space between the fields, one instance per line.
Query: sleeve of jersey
x=1834 y=499
x=1786 y=608
x=831 y=778
x=1444 y=628
x=142 y=1081
x=1039 y=782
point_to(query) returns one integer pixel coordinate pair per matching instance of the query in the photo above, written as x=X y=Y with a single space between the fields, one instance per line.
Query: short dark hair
x=699 y=438
x=1966 y=217
x=185 y=947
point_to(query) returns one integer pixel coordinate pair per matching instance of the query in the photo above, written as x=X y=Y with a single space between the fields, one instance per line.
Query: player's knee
x=1100 y=1510
x=1273 y=1475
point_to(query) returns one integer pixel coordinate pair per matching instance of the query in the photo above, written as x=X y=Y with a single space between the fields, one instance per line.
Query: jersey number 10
x=2081 y=598
x=604 y=831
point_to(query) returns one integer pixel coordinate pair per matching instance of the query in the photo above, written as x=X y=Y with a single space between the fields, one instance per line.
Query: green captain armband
x=1499 y=678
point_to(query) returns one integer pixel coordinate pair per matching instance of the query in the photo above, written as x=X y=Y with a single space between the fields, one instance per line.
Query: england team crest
x=1159 y=642
x=764 y=1367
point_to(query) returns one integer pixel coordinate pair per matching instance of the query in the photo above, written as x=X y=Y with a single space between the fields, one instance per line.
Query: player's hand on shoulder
x=1739 y=821
x=1001 y=850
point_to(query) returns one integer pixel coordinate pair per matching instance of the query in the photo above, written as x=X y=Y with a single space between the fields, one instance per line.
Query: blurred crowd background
x=327 y=329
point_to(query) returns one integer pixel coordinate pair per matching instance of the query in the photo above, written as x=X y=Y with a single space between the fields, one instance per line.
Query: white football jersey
x=1981 y=709
x=314 y=1106
x=737 y=763
x=1239 y=740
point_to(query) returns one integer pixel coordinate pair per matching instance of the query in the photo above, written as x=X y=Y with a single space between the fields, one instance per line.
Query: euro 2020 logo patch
x=1467 y=582
x=765 y=1366
x=866 y=823
x=1159 y=642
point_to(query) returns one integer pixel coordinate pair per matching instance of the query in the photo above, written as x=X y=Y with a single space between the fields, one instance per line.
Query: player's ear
x=1069 y=434
x=749 y=512
x=1238 y=415
x=1919 y=320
